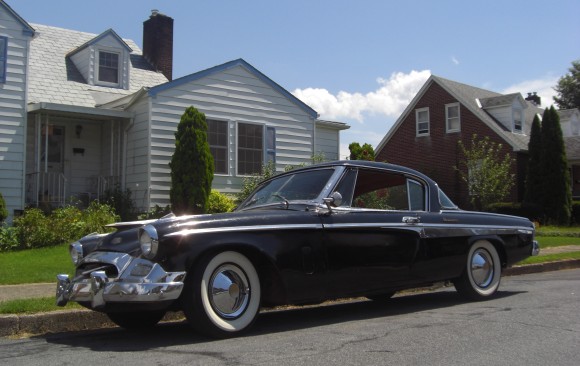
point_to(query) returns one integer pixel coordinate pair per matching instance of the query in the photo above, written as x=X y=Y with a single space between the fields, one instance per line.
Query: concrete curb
x=541 y=267
x=77 y=320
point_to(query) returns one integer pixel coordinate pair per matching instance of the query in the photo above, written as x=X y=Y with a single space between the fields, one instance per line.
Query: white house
x=83 y=112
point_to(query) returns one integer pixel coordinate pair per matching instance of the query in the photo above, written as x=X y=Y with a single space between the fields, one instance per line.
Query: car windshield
x=302 y=186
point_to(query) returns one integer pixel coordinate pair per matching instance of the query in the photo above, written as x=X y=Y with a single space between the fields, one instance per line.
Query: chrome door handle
x=411 y=220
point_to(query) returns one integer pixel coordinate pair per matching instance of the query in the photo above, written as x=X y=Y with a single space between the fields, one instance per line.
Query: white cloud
x=390 y=98
x=454 y=60
x=544 y=87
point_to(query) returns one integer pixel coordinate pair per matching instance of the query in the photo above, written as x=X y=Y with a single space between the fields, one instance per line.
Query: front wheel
x=223 y=296
x=482 y=274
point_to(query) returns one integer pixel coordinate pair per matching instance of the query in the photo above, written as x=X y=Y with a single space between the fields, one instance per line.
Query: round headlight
x=76 y=253
x=149 y=241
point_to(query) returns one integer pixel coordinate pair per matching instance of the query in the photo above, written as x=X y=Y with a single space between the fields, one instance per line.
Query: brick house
x=426 y=135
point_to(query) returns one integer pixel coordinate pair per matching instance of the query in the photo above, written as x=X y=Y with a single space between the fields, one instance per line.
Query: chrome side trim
x=139 y=280
x=246 y=228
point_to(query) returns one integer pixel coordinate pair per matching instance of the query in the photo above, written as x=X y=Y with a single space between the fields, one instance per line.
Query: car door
x=372 y=237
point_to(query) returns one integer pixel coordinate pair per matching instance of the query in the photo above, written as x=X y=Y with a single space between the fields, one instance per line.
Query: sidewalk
x=75 y=320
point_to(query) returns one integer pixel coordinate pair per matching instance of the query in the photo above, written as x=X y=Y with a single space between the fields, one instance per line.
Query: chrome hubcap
x=482 y=268
x=229 y=291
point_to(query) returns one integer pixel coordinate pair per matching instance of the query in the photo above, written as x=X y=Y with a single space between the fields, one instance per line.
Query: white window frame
x=417 y=122
x=448 y=119
x=518 y=127
x=221 y=147
x=262 y=148
x=119 y=54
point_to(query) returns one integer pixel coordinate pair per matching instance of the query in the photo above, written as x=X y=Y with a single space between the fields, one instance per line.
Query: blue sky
x=359 y=62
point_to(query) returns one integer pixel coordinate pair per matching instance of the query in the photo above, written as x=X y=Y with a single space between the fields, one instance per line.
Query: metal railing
x=46 y=188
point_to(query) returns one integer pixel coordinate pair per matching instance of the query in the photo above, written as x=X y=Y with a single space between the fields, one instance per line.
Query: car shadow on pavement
x=270 y=321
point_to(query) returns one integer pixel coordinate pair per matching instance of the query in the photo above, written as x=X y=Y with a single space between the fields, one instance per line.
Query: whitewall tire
x=223 y=295
x=482 y=273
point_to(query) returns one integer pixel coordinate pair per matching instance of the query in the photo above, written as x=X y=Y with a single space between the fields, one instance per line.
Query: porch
x=72 y=157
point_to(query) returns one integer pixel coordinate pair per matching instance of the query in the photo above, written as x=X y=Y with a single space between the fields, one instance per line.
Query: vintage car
x=332 y=230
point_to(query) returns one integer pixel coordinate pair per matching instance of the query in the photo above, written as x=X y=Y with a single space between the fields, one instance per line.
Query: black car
x=332 y=230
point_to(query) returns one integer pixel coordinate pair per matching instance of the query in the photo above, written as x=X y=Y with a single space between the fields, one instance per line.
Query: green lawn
x=34 y=265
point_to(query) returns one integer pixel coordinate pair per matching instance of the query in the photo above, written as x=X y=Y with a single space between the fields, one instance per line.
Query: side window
x=380 y=190
x=422 y=121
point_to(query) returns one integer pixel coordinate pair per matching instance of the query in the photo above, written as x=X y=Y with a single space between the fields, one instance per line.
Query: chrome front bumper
x=139 y=280
x=535 y=248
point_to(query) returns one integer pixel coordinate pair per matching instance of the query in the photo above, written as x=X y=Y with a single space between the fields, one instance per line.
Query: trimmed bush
x=155 y=213
x=3 y=211
x=34 y=229
x=220 y=202
x=122 y=203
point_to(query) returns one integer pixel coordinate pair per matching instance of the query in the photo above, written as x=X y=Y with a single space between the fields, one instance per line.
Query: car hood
x=126 y=238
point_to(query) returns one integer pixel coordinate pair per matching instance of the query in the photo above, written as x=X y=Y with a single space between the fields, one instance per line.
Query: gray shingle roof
x=469 y=95
x=572 y=147
x=53 y=78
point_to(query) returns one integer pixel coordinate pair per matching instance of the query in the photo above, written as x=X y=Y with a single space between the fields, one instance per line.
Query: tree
x=533 y=191
x=487 y=174
x=568 y=88
x=191 y=165
x=365 y=152
x=556 y=195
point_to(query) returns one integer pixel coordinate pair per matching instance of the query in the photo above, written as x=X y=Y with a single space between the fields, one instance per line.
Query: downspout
x=149 y=142
x=25 y=130
x=313 y=141
x=38 y=128
x=111 y=159
x=124 y=157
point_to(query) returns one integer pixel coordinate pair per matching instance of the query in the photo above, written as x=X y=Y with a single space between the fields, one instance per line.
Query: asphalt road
x=535 y=320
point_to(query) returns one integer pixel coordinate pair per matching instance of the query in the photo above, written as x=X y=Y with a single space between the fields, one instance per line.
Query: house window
x=422 y=118
x=517 y=120
x=217 y=136
x=270 y=145
x=108 y=67
x=3 y=58
x=453 y=123
x=250 y=148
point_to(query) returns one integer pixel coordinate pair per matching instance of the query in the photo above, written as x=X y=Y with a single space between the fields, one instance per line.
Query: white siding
x=13 y=113
x=138 y=157
x=327 y=142
x=237 y=96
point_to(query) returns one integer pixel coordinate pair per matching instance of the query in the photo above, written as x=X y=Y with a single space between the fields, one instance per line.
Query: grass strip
x=33 y=306
x=551 y=257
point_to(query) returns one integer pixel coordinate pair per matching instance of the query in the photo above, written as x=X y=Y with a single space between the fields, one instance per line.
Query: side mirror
x=335 y=200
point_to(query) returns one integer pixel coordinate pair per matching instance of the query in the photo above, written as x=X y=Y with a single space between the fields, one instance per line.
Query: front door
x=52 y=149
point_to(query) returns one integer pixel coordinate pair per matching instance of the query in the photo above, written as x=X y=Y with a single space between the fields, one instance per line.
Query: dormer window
x=108 y=68
x=104 y=60
x=518 y=124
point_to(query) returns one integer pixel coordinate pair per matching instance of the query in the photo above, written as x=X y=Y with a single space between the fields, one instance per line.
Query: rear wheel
x=137 y=319
x=222 y=296
x=482 y=273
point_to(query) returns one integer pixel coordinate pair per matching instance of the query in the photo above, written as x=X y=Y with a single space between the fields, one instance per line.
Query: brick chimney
x=534 y=98
x=158 y=42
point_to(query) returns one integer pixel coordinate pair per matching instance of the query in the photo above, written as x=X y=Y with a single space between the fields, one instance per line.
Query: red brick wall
x=436 y=155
